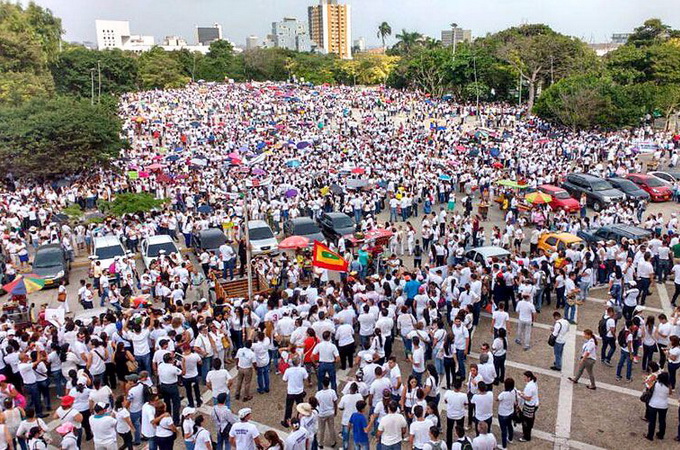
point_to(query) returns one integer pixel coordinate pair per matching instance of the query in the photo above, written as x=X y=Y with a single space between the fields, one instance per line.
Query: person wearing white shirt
x=485 y=440
x=559 y=331
x=103 y=429
x=246 y=363
x=243 y=434
x=328 y=406
x=347 y=405
x=500 y=319
x=140 y=342
x=506 y=408
x=190 y=368
x=456 y=408
x=483 y=405
x=219 y=381
x=527 y=315
x=366 y=326
x=328 y=356
x=645 y=272
x=295 y=376
x=345 y=339
x=531 y=403
x=168 y=377
x=419 y=431
x=262 y=360
x=392 y=427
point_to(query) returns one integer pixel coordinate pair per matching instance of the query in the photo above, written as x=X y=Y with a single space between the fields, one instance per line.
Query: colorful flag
x=326 y=258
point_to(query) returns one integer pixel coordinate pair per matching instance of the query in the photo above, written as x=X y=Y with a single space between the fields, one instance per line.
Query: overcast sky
x=591 y=20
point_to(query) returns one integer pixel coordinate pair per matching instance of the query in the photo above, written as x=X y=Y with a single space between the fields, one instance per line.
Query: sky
x=590 y=20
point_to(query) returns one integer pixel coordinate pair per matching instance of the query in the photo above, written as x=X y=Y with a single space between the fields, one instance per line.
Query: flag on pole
x=326 y=258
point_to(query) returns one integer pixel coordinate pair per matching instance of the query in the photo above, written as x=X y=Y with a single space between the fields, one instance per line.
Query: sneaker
x=555 y=368
x=522 y=440
x=618 y=378
x=608 y=363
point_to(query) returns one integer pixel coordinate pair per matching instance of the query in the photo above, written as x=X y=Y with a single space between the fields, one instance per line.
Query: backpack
x=465 y=444
x=437 y=445
x=622 y=338
x=602 y=327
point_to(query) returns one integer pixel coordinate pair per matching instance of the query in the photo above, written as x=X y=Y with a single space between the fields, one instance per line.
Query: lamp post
x=92 y=85
x=453 y=38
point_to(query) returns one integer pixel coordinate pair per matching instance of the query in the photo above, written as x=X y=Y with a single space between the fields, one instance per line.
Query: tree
x=408 y=41
x=44 y=138
x=652 y=31
x=18 y=87
x=217 y=64
x=132 y=203
x=159 y=70
x=384 y=30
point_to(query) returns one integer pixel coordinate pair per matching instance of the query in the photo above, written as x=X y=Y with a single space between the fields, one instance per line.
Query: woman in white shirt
x=202 y=436
x=673 y=355
x=124 y=426
x=165 y=428
x=506 y=407
x=648 y=342
x=499 y=350
x=658 y=406
x=378 y=346
x=188 y=432
x=531 y=403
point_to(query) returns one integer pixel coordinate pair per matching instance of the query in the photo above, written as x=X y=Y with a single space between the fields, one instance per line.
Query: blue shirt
x=411 y=288
x=359 y=423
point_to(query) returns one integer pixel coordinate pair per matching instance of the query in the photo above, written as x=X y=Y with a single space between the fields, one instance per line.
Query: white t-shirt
x=391 y=426
x=103 y=429
x=218 y=379
x=327 y=351
x=140 y=341
x=191 y=362
x=455 y=404
x=244 y=433
x=526 y=310
x=500 y=319
x=327 y=399
x=121 y=425
x=420 y=430
x=295 y=376
x=506 y=403
x=202 y=439
x=483 y=406
x=484 y=442
x=348 y=405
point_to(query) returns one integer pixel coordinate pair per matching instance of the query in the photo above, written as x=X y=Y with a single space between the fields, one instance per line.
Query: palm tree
x=408 y=40
x=384 y=29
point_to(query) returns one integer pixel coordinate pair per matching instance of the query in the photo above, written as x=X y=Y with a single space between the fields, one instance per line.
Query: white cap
x=244 y=412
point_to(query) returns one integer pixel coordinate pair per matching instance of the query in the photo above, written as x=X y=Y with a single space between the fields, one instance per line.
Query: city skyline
x=590 y=20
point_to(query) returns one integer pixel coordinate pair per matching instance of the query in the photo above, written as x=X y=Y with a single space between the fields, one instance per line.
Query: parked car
x=210 y=239
x=51 y=263
x=482 y=255
x=262 y=239
x=153 y=245
x=560 y=198
x=668 y=176
x=106 y=249
x=658 y=189
x=303 y=226
x=552 y=242
x=599 y=193
x=614 y=232
x=632 y=190
x=335 y=225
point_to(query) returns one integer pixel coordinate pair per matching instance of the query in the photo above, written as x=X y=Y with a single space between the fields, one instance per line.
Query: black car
x=303 y=226
x=632 y=190
x=210 y=239
x=52 y=263
x=614 y=232
x=335 y=225
x=599 y=193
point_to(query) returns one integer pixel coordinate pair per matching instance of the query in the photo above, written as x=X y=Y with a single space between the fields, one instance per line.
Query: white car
x=106 y=249
x=262 y=239
x=153 y=245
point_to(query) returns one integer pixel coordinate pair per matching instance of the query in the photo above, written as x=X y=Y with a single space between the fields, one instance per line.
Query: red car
x=560 y=198
x=657 y=189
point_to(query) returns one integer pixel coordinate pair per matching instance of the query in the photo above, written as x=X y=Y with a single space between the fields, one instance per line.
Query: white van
x=262 y=239
x=106 y=248
x=152 y=246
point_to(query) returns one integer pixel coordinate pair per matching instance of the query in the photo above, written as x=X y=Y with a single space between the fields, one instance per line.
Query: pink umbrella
x=359 y=170
x=294 y=242
x=259 y=171
x=143 y=174
x=155 y=166
x=233 y=155
x=459 y=147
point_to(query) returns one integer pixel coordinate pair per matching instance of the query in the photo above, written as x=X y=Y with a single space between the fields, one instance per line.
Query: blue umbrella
x=195 y=124
x=172 y=158
x=445 y=177
x=261 y=145
x=243 y=149
x=179 y=149
x=204 y=209
x=293 y=163
x=303 y=144
x=495 y=152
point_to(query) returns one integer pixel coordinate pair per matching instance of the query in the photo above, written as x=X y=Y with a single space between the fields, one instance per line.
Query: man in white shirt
x=418 y=359
x=419 y=430
x=456 y=409
x=190 y=362
x=392 y=427
x=345 y=338
x=328 y=408
x=485 y=440
x=461 y=343
x=244 y=435
x=527 y=315
x=645 y=273
x=328 y=356
x=246 y=363
x=103 y=429
x=228 y=257
x=560 y=331
x=219 y=381
x=168 y=377
x=295 y=376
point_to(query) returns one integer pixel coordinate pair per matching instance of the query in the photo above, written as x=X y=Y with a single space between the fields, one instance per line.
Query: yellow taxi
x=552 y=242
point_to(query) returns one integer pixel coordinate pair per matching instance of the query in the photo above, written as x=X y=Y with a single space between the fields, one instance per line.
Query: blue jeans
x=326 y=368
x=538 y=299
x=59 y=382
x=569 y=312
x=189 y=445
x=460 y=354
x=393 y=215
x=585 y=288
x=136 y=418
x=611 y=343
x=206 y=366
x=274 y=358
x=418 y=376
x=144 y=362
x=263 y=379
x=229 y=266
x=44 y=390
x=345 y=437
x=357 y=215
x=408 y=346
x=223 y=442
x=625 y=358
x=507 y=431
x=361 y=446
x=33 y=397
x=396 y=446
x=439 y=365
x=643 y=285
x=558 y=349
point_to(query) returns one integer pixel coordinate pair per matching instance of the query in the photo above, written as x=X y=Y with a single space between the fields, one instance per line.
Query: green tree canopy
x=159 y=70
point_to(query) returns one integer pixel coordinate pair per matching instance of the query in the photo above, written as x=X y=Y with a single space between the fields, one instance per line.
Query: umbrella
x=261 y=145
x=303 y=144
x=199 y=162
x=497 y=165
x=195 y=124
x=481 y=134
x=233 y=155
x=359 y=170
x=512 y=184
x=291 y=193
x=473 y=153
x=164 y=178
x=24 y=284
x=538 y=198
x=143 y=174
x=204 y=209
x=172 y=158
x=335 y=189
x=356 y=184
x=294 y=242
x=495 y=152
x=445 y=177
x=258 y=171
x=153 y=167
x=59 y=218
x=459 y=147
x=293 y=163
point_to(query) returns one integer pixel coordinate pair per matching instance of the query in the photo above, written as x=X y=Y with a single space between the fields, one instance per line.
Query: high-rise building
x=359 y=44
x=206 y=35
x=252 y=42
x=620 y=38
x=330 y=27
x=116 y=34
x=461 y=35
x=291 y=34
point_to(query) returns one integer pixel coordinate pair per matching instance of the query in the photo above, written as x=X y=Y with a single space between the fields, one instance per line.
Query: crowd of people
x=391 y=160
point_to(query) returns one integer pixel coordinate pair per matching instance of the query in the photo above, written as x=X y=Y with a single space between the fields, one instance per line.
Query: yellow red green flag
x=326 y=258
